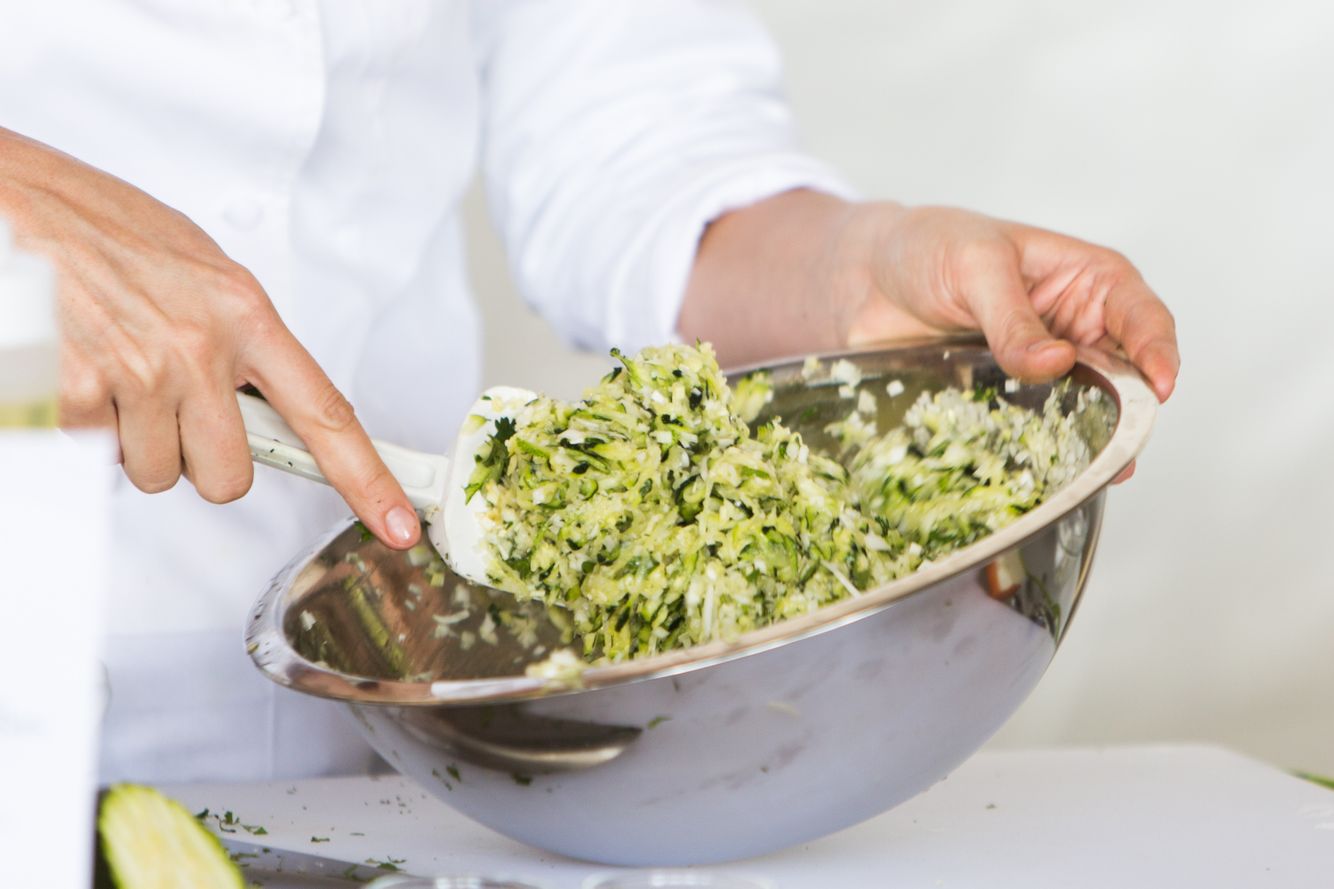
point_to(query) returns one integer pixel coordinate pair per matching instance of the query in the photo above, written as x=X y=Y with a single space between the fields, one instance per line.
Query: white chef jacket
x=325 y=146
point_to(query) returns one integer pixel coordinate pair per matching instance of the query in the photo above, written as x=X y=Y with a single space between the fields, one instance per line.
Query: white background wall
x=1198 y=138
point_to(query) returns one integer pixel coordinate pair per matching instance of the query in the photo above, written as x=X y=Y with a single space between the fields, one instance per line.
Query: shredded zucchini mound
x=654 y=517
x=965 y=464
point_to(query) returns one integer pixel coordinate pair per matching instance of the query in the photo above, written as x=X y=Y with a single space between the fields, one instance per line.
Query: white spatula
x=434 y=483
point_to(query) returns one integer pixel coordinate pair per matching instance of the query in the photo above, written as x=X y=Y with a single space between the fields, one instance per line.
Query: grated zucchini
x=653 y=515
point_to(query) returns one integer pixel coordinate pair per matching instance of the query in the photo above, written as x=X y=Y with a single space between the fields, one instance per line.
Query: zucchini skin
x=194 y=857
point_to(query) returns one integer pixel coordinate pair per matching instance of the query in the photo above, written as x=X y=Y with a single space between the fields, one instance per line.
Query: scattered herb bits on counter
x=655 y=517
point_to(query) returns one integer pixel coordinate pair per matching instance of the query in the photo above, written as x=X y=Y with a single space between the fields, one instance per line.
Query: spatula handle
x=273 y=443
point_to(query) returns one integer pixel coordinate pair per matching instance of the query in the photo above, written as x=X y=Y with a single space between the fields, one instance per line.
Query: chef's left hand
x=1035 y=294
x=805 y=271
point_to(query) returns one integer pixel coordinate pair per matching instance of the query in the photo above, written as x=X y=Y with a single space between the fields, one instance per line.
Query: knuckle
x=1016 y=323
x=193 y=339
x=83 y=391
x=1169 y=321
x=1116 y=259
x=372 y=483
x=252 y=316
x=197 y=348
x=1143 y=327
x=242 y=290
x=146 y=372
x=195 y=345
x=1114 y=269
x=333 y=411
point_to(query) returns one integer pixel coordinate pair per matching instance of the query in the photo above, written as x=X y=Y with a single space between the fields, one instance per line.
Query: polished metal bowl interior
x=728 y=749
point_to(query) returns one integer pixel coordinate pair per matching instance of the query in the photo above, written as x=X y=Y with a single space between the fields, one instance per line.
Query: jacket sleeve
x=612 y=134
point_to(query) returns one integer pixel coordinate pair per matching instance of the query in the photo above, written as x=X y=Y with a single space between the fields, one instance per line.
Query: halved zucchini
x=148 y=841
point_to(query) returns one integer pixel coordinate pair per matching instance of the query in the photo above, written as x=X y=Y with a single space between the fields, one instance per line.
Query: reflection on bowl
x=683 y=879
x=403 y=882
x=729 y=749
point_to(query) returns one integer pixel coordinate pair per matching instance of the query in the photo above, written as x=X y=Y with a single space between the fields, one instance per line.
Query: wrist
x=25 y=174
x=763 y=280
x=859 y=254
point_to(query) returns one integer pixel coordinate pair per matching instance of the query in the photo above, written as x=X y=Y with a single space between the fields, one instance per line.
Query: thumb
x=995 y=293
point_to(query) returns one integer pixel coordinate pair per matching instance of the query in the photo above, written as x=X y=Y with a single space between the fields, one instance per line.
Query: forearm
x=28 y=166
x=780 y=277
x=803 y=271
x=20 y=160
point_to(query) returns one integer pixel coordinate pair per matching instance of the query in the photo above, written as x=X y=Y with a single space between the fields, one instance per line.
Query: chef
x=266 y=192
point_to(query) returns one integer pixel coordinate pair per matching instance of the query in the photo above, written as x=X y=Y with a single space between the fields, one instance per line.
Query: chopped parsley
x=386 y=863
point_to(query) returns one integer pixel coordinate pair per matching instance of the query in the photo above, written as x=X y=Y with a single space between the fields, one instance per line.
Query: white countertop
x=1172 y=816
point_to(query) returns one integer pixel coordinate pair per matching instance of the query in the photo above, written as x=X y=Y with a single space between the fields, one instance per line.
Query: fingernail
x=1039 y=345
x=401 y=524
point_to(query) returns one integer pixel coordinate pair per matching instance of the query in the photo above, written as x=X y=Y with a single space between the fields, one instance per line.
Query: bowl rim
x=1136 y=405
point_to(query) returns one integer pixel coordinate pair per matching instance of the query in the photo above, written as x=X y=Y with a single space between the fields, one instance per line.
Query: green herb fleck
x=492 y=462
x=390 y=864
x=1320 y=780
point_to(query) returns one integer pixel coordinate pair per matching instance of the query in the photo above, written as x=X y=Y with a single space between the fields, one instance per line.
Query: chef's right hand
x=160 y=328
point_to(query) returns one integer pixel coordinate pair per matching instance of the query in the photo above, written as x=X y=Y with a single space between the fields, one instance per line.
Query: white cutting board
x=1178 y=816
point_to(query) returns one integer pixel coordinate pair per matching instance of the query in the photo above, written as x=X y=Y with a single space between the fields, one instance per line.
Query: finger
x=995 y=293
x=1125 y=474
x=310 y=403
x=1108 y=344
x=85 y=398
x=213 y=444
x=1144 y=327
x=150 y=444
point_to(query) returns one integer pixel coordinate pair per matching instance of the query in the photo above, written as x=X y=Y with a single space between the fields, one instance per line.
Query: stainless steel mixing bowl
x=730 y=749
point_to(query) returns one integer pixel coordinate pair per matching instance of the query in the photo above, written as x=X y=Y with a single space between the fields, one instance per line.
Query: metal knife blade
x=275 y=868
